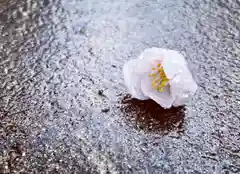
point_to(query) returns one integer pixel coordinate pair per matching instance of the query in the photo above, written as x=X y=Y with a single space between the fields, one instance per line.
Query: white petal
x=173 y=63
x=150 y=58
x=183 y=87
x=162 y=98
x=182 y=84
x=152 y=53
x=133 y=79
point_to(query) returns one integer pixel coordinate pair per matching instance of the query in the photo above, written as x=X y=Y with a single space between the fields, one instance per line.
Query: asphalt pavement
x=64 y=107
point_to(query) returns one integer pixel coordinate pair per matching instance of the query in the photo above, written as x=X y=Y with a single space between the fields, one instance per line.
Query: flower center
x=159 y=78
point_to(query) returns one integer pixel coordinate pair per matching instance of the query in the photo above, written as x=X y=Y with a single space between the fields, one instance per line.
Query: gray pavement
x=63 y=104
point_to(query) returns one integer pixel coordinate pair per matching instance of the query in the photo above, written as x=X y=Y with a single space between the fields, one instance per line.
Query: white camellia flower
x=162 y=75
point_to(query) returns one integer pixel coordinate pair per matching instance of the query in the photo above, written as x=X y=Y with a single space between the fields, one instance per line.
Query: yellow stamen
x=153 y=83
x=160 y=69
x=159 y=78
x=161 y=90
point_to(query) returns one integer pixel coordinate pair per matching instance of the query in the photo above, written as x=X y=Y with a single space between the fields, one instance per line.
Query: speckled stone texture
x=63 y=104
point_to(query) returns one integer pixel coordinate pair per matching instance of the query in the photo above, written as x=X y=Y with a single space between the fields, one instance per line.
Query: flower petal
x=182 y=84
x=183 y=87
x=150 y=57
x=152 y=53
x=162 y=98
x=133 y=79
x=173 y=63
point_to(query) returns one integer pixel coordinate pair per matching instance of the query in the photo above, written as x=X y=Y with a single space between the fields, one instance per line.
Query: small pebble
x=105 y=110
x=100 y=92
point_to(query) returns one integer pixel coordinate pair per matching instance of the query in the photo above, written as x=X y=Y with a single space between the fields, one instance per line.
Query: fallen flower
x=162 y=75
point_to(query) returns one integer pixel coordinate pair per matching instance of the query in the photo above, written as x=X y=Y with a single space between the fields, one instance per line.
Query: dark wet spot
x=149 y=116
x=114 y=66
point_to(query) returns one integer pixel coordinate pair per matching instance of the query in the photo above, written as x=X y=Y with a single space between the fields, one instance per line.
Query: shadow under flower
x=151 y=117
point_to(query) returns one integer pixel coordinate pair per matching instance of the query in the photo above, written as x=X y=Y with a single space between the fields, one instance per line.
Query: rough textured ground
x=63 y=104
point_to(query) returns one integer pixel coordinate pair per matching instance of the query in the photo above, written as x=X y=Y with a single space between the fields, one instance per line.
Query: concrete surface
x=64 y=107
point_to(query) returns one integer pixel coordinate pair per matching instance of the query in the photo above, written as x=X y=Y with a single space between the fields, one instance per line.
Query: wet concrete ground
x=63 y=104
